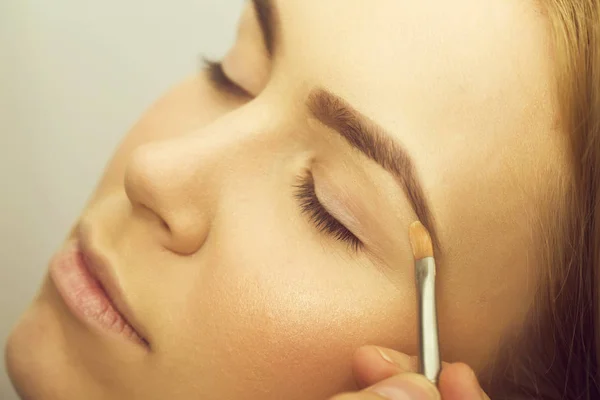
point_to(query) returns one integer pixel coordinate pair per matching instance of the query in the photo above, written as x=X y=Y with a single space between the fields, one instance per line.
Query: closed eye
x=318 y=215
x=220 y=81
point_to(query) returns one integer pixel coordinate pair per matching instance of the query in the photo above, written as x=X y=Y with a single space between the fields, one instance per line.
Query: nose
x=165 y=178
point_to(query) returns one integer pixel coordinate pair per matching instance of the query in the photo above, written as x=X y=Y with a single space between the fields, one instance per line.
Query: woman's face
x=257 y=244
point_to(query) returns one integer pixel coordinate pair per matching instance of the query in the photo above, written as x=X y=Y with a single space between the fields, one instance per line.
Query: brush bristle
x=420 y=241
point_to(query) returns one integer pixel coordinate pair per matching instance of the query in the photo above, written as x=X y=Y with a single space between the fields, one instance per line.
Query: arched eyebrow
x=266 y=14
x=358 y=130
x=374 y=142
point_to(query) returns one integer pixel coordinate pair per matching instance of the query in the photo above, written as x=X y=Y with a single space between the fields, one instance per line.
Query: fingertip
x=408 y=385
x=372 y=364
x=458 y=382
x=461 y=371
x=404 y=362
x=364 y=353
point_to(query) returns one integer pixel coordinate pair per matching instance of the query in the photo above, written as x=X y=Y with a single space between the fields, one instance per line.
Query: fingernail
x=398 y=359
x=406 y=387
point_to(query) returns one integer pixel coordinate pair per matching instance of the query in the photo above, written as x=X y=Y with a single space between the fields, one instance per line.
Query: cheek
x=268 y=318
x=276 y=330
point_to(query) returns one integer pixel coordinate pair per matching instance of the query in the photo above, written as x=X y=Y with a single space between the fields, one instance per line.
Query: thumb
x=372 y=364
x=406 y=386
x=459 y=382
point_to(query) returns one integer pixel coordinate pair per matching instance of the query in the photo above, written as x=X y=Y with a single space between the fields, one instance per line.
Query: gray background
x=74 y=76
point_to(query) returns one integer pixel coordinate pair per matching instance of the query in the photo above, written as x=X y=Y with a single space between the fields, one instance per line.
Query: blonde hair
x=557 y=354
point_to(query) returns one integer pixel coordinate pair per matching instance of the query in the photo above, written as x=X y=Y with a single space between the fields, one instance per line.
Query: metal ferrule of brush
x=429 y=349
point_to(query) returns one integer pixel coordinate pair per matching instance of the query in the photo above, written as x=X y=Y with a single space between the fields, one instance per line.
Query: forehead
x=448 y=79
x=466 y=86
x=415 y=60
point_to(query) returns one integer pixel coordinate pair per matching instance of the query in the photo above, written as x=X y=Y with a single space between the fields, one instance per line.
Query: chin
x=34 y=355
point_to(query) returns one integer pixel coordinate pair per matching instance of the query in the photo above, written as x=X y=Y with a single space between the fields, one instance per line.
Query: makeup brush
x=429 y=349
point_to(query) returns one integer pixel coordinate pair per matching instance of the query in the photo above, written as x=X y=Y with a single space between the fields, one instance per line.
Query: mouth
x=84 y=281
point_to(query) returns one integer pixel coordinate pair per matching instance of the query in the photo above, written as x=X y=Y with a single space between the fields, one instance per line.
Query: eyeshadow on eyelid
x=368 y=216
x=339 y=203
x=338 y=207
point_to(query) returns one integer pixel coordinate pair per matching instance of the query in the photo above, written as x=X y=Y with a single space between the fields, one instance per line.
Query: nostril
x=152 y=220
x=162 y=181
x=187 y=233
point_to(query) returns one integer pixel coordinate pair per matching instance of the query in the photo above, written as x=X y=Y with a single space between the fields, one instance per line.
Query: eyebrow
x=358 y=130
x=374 y=142
x=266 y=16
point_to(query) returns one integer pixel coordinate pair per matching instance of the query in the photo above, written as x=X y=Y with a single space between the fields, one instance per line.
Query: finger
x=407 y=386
x=372 y=364
x=358 y=396
x=458 y=382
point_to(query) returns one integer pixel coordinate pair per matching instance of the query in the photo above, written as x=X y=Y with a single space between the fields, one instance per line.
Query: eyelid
x=338 y=203
x=340 y=199
x=220 y=81
x=320 y=216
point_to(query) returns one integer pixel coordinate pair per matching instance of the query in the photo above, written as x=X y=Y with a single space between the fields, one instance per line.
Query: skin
x=385 y=372
x=241 y=297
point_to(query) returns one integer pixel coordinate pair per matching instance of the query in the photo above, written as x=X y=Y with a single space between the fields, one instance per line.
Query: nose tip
x=159 y=179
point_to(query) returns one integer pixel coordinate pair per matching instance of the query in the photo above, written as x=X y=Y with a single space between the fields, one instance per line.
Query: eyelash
x=323 y=221
x=219 y=79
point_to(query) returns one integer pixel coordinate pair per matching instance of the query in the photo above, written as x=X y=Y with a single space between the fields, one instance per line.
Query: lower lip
x=84 y=295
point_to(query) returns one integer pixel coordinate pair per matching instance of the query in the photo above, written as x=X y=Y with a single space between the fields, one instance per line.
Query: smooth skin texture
x=239 y=295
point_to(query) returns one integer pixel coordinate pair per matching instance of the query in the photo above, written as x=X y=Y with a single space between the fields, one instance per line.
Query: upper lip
x=100 y=268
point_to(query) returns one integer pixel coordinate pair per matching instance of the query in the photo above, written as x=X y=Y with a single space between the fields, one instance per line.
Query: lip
x=87 y=285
